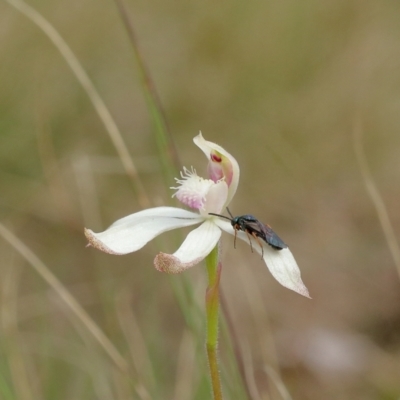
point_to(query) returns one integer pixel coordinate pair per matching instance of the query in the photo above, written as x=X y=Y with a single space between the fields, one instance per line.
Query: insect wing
x=266 y=233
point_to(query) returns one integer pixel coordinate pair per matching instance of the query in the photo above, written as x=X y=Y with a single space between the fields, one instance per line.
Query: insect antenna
x=219 y=215
x=223 y=216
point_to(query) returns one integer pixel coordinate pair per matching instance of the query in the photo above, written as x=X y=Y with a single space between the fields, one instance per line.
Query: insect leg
x=248 y=235
x=258 y=241
x=234 y=242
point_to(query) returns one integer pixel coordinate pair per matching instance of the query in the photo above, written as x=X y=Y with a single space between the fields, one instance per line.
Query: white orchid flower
x=205 y=196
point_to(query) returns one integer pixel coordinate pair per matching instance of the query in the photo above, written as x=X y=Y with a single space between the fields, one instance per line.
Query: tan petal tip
x=172 y=265
x=96 y=243
x=305 y=293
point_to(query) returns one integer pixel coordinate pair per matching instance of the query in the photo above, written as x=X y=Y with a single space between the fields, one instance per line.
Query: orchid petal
x=197 y=245
x=216 y=198
x=221 y=164
x=284 y=268
x=280 y=263
x=131 y=233
x=226 y=226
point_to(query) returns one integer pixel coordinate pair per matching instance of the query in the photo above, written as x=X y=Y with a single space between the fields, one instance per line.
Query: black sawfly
x=253 y=227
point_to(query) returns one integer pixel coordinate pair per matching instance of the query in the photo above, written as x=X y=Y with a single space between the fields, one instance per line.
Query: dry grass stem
x=9 y=321
x=53 y=175
x=137 y=344
x=375 y=196
x=168 y=151
x=278 y=383
x=58 y=287
x=185 y=371
x=265 y=339
x=91 y=91
x=88 y=198
x=249 y=370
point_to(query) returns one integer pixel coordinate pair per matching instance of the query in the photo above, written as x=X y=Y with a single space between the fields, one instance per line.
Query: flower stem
x=212 y=308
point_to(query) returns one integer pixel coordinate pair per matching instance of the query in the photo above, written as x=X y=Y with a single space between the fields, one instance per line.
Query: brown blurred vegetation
x=280 y=85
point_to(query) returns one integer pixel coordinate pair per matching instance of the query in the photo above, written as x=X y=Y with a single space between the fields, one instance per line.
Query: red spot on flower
x=214 y=157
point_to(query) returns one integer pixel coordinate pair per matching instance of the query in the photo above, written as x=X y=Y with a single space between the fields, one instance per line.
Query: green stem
x=167 y=151
x=212 y=308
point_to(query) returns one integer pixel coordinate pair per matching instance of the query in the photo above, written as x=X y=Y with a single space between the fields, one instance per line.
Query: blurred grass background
x=280 y=85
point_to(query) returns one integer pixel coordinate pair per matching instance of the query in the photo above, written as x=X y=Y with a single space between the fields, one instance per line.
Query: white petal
x=132 y=232
x=226 y=226
x=216 y=198
x=197 y=245
x=281 y=263
x=284 y=269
